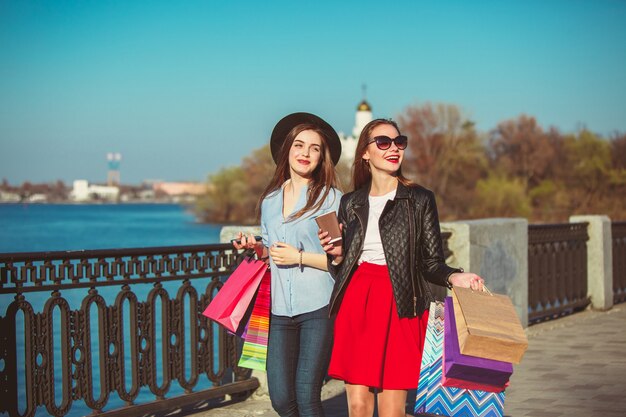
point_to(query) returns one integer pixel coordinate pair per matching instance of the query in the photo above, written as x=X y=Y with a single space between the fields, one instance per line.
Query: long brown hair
x=361 y=173
x=323 y=178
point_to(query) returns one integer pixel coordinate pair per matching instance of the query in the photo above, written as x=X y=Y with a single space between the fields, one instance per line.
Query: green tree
x=616 y=209
x=498 y=196
x=550 y=201
x=233 y=193
x=225 y=199
x=589 y=162
x=517 y=169
x=618 y=151
x=258 y=169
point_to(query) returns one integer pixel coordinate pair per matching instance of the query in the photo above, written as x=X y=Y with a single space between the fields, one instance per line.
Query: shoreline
x=91 y=203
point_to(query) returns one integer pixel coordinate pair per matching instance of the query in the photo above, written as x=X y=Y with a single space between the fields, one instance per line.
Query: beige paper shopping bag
x=488 y=326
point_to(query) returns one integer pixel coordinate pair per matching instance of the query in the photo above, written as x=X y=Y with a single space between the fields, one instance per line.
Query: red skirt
x=372 y=346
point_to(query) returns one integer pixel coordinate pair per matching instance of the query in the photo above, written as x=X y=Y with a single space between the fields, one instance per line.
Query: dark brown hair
x=361 y=173
x=323 y=178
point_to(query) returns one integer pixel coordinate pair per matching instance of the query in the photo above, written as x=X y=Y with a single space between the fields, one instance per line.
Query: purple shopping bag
x=469 y=368
x=433 y=397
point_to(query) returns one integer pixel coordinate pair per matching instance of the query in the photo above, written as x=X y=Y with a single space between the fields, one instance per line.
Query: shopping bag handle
x=485 y=289
x=247 y=253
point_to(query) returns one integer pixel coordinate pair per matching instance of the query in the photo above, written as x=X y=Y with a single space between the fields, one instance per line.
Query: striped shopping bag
x=254 y=351
x=434 y=398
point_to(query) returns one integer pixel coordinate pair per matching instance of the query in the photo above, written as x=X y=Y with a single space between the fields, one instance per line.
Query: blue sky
x=183 y=88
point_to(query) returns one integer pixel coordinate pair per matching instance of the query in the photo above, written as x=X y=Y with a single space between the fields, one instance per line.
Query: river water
x=60 y=227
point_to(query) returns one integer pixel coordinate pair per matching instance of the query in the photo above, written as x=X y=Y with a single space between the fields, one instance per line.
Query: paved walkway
x=575 y=366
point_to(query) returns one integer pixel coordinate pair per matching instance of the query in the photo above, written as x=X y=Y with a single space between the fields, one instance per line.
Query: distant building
x=113 y=175
x=174 y=189
x=348 y=143
x=9 y=197
x=37 y=198
x=83 y=191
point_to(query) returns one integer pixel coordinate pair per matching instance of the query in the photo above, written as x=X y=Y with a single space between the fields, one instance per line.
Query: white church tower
x=363 y=117
x=348 y=143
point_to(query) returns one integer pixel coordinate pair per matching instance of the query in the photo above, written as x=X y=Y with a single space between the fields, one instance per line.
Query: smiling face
x=305 y=153
x=384 y=161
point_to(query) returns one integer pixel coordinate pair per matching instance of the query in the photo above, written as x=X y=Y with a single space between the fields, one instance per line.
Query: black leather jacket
x=408 y=223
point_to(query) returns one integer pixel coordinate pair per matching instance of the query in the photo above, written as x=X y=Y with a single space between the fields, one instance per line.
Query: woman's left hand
x=467 y=280
x=284 y=254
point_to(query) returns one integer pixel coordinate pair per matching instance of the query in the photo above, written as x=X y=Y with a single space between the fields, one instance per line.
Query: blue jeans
x=298 y=353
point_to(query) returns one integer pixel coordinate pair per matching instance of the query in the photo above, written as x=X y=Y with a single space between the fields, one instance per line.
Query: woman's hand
x=284 y=254
x=249 y=242
x=246 y=242
x=335 y=251
x=467 y=280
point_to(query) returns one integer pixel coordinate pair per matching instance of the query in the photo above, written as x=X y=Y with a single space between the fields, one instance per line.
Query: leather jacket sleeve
x=341 y=217
x=433 y=265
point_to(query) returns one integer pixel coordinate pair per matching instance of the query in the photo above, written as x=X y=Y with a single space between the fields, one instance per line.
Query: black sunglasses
x=384 y=142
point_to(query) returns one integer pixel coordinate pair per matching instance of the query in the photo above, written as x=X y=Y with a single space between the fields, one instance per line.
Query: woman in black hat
x=305 y=149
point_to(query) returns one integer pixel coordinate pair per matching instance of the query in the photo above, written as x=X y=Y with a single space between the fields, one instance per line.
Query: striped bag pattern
x=432 y=397
x=254 y=351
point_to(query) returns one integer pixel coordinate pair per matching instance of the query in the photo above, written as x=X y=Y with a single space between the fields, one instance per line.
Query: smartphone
x=238 y=241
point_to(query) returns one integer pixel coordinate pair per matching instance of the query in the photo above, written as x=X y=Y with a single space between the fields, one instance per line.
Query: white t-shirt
x=373 y=246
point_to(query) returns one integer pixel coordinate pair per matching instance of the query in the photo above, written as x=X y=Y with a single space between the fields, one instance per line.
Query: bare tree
x=618 y=151
x=445 y=154
x=519 y=148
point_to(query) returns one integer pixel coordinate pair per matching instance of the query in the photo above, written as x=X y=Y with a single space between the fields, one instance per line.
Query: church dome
x=364 y=106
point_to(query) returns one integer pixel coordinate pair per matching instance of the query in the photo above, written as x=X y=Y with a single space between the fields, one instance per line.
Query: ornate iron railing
x=618 y=233
x=103 y=346
x=557 y=270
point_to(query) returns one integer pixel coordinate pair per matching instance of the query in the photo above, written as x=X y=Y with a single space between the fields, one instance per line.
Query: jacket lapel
x=361 y=207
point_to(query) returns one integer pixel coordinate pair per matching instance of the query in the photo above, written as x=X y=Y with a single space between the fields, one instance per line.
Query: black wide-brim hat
x=284 y=126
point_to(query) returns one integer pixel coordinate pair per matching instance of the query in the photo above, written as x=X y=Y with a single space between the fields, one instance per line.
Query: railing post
x=599 y=260
x=497 y=250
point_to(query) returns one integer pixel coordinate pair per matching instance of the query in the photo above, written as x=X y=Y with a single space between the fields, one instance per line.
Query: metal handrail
x=134 y=343
x=557 y=270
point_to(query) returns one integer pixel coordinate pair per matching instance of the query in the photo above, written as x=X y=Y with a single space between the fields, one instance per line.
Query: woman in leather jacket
x=391 y=247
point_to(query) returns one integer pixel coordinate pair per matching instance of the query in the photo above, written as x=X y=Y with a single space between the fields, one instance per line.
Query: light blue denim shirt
x=294 y=290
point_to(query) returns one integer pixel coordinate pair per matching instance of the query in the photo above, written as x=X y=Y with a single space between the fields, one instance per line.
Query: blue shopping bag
x=432 y=397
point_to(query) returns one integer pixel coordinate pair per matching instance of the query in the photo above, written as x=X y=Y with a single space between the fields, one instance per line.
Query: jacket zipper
x=411 y=257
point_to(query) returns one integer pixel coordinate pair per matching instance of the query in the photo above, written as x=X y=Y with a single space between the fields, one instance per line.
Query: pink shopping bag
x=232 y=301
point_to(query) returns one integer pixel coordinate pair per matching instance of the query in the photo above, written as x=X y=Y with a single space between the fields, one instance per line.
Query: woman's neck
x=296 y=183
x=383 y=184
